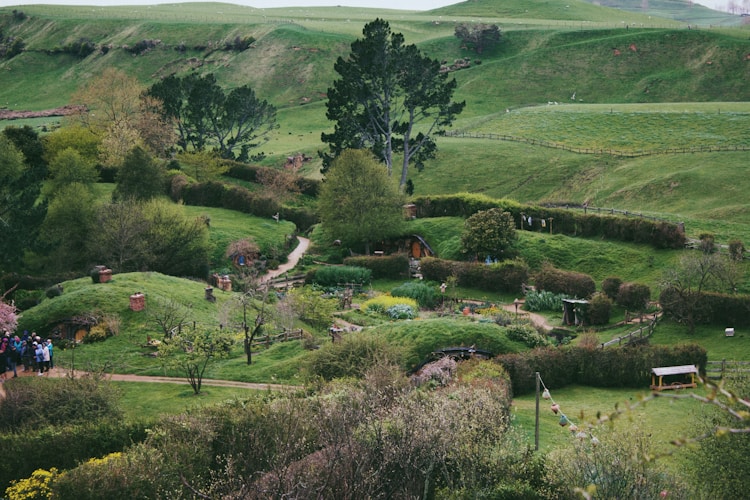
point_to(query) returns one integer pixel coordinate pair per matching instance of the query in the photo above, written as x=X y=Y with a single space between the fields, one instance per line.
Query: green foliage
x=527 y=334
x=383 y=303
x=337 y=276
x=543 y=300
x=139 y=177
x=352 y=357
x=33 y=403
x=599 y=309
x=558 y=220
x=358 y=203
x=501 y=277
x=192 y=350
x=570 y=283
x=416 y=340
x=615 y=466
x=239 y=121
x=68 y=167
x=389 y=98
x=596 y=367
x=611 y=287
x=736 y=250
x=425 y=294
x=401 y=311
x=633 y=296
x=383 y=267
x=489 y=233
x=312 y=307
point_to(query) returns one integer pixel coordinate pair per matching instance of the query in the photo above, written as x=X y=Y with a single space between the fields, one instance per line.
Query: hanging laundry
x=544 y=223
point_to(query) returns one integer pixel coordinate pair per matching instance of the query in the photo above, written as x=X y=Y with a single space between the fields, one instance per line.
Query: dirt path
x=537 y=319
x=117 y=377
x=292 y=260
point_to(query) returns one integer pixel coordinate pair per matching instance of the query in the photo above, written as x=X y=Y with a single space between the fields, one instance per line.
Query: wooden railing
x=284 y=336
x=641 y=333
x=717 y=370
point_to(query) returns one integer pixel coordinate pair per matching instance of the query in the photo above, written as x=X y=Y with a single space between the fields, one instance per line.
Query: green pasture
x=664 y=419
x=628 y=128
x=147 y=401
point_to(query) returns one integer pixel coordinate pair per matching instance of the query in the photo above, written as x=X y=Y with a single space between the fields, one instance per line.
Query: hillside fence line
x=716 y=370
x=598 y=151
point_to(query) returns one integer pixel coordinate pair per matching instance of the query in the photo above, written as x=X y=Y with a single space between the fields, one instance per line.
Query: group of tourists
x=28 y=353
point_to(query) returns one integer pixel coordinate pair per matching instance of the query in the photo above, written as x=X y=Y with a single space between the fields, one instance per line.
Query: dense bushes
x=216 y=194
x=425 y=295
x=599 y=309
x=629 y=367
x=334 y=276
x=707 y=307
x=59 y=422
x=633 y=296
x=611 y=287
x=569 y=222
x=570 y=283
x=352 y=357
x=542 y=300
x=383 y=267
x=505 y=276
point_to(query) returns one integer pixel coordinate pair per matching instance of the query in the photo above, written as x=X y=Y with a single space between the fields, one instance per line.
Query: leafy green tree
x=173 y=243
x=205 y=116
x=67 y=226
x=119 y=238
x=139 y=177
x=77 y=137
x=358 y=202
x=193 y=350
x=389 y=98
x=69 y=167
x=21 y=211
x=489 y=233
x=479 y=36
x=202 y=165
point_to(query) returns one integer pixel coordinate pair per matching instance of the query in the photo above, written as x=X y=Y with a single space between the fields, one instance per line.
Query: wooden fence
x=596 y=151
x=284 y=336
x=640 y=334
x=717 y=370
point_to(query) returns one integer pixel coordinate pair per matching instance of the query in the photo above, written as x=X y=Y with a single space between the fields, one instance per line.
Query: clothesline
x=564 y=419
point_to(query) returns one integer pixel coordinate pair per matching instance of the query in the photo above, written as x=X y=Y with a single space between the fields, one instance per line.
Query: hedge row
x=569 y=222
x=626 y=367
x=63 y=447
x=216 y=194
x=569 y=283
x=507 y=276
x=334 y=276
x=385 y=267
x=249 y=173
x=709 y=308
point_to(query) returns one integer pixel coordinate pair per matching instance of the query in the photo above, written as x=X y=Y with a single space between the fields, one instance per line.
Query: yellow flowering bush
x=382 y=303
x=36 y=487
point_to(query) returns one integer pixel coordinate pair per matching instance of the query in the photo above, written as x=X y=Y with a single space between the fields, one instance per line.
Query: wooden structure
x=224 y=283
x=677 y=374
x=574 y=311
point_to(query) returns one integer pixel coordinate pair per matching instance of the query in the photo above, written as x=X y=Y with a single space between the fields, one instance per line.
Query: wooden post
x=536 y=420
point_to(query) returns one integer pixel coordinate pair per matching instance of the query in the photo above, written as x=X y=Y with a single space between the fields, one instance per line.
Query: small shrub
x=354 y=356
x=633 y=296
x=97 y=333
x=707 y=242
x=543 y=300
x=401 y=311
x=38 y=486
x=527 y=334
x=340 y=275
x=736 y=250
x=611 y=286
x=599 y=309
x=568 y=282
x=425 y=295
x=54 y=291
x=382 y=303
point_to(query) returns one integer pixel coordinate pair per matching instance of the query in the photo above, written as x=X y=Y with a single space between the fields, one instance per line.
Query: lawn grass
x=147 y=401
x=663 y=419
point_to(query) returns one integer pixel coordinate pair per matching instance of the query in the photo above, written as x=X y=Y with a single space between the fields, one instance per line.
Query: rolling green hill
x=630 y=81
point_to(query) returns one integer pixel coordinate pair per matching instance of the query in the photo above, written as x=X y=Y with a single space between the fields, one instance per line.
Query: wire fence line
x=598 y=151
